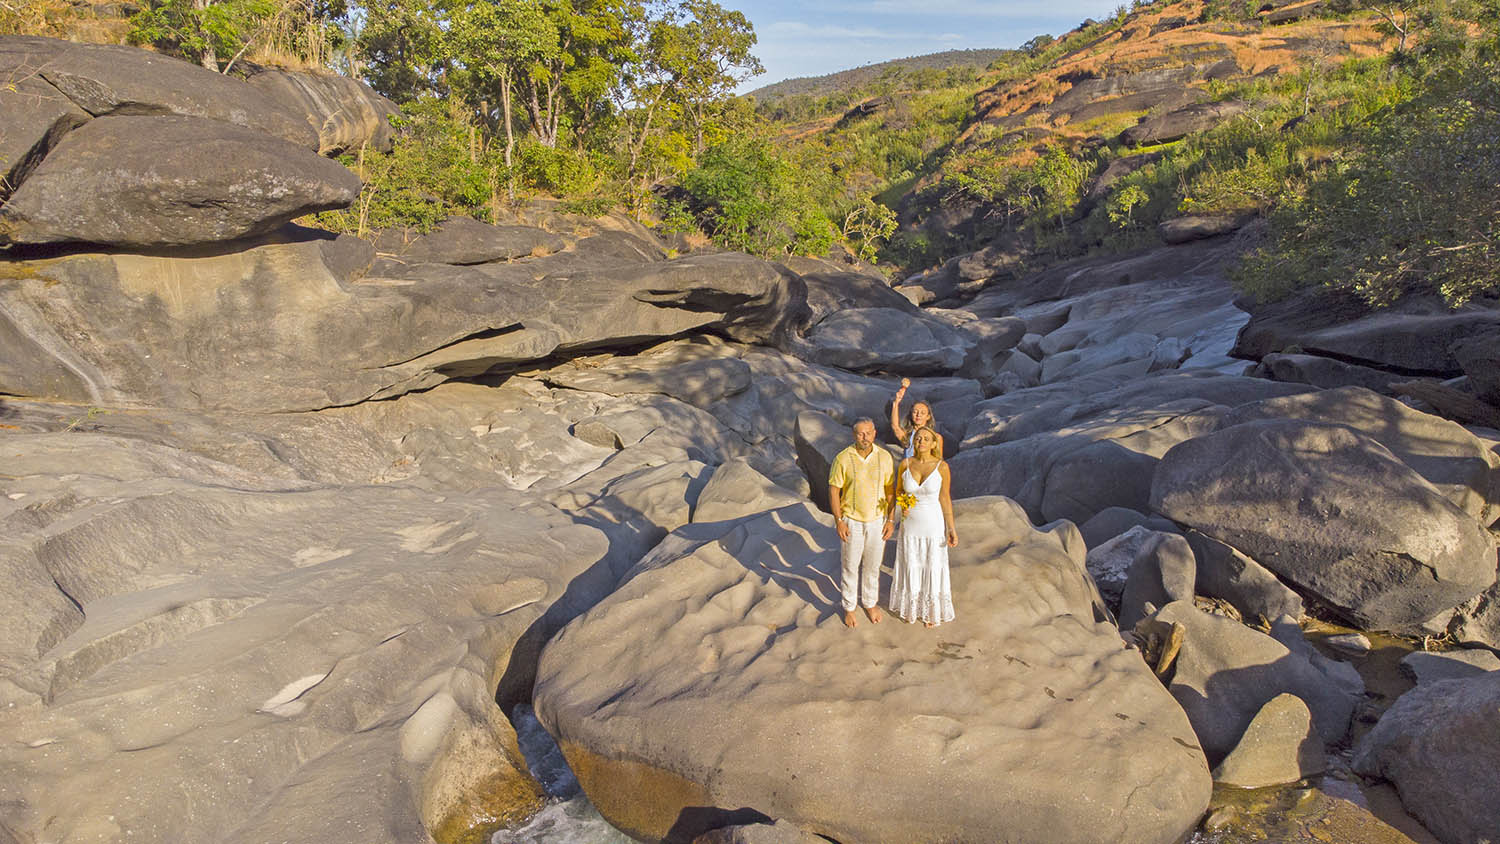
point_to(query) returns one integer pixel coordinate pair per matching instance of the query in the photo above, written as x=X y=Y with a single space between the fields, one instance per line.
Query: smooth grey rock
x=1479 y=356
x=1198 y=227
x=1110 y=563
x=1452 y=459
x=1324 y=372
x=887 y=339
x=1251 y=588
x=1094 y=478
x=1428 y=667
x=1340 y=675
x=162 y=181
x=759 y=636
x=1438 y=745
x=1198 y=117
x=1477 y=620
x=465 y=240
x=346 y=113
x=105 y=79
x=1296 y=497
x=736 y=490
x=819 y=439
x=1162 y=572
x=1279 y=746
x=1110 y=523
x=1226 y=672
x=1031 y=345
x=1349 y=644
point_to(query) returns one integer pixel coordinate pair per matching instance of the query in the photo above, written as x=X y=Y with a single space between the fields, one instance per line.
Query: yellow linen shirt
x=862 y=482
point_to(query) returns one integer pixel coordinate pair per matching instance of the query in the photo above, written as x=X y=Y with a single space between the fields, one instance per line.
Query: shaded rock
x=1479 y=356
x=1324 y=372
x=780 y=832
x=865 y=339
x=1438 y=745
x=759 y=637
x=1452 y=403
x=1339 y=674
x=832 y=290
x=1109 y=563
x=157 y=181
x=736 y=490
x=1477 y=621
x=1227 y=672
x=1442 y=452
x=104 y=79
x=1119 y=169
x=819 y=439
x=699 y=374
x=1416 y=335
x=465 y=240
x=1296 y=496
x=1162 y=572
x=1429 y=667
x=1113 y=521
x=1198 y=227
x=1279 y=746
x=1096 y=477
x=1199 y=117
x=1249 y=587
x=346 y=113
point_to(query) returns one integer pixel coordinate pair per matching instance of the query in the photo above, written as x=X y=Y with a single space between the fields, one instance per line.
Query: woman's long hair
x=936 y=439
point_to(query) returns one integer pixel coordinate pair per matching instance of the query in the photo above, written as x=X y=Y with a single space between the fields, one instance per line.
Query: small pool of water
x=569 y=817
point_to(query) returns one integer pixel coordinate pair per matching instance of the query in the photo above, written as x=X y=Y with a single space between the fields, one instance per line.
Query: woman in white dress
x=920 y=590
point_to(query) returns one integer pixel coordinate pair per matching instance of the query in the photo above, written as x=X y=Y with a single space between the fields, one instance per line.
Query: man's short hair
x=862 y=420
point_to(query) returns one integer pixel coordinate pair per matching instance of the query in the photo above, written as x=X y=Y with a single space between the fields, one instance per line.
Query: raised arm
x=946 y=499
x=896 y=413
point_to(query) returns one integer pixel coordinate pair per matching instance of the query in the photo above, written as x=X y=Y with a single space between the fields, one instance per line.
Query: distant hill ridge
x=854 y=77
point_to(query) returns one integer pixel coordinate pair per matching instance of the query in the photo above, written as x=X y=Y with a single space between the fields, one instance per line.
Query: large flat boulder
x=1447 y=455
x=1179 y=123
x=1332 y=512
x=465 y=240
x=755 y=697
x=193 y=651
x=105 y=79
x=167 y=181
x=889 y=340
x=1439 y=746
x=277 y=327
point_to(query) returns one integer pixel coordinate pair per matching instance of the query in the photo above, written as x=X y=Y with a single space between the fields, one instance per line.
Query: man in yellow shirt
x=862 y=494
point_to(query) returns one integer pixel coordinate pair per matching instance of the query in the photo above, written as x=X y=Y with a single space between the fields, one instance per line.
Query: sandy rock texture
x=756 y=695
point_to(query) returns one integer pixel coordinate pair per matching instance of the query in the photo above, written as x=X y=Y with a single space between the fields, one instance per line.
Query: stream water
x=569 y=817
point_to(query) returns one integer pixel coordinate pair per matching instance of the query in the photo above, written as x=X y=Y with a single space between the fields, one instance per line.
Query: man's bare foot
x=874 y=614
x=849 y=619
x=928 y=624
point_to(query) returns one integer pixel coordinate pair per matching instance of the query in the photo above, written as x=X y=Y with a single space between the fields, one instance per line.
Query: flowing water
x=569 y=817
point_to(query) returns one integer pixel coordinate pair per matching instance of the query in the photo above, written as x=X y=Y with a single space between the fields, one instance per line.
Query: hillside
x=865 y=74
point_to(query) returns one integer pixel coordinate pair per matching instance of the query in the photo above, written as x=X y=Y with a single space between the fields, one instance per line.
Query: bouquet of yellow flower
x=905 y=501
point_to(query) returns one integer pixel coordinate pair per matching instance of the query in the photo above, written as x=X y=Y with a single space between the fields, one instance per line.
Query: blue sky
x=814 y=37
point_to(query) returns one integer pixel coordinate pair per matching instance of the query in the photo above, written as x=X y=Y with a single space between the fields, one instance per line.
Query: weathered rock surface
x=37 y=116
x=1296 y=497
x=104 y=79
x=1226 y=672
x=1162 y=572
x=1428 y=667
x=779 y=832
x=1327 y=373
x=465 y=240
x=1438 y=745
x=869 y=339
x=1450 y=458
x=165 y=181
x=1181 y=122
x=1256 y=593
x=752 y=657
x=346 y=113
x=1279 y=746
x=1479 y=356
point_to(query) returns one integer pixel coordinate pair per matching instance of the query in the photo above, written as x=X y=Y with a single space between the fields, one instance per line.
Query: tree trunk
x=510 y=135
x=208 y=58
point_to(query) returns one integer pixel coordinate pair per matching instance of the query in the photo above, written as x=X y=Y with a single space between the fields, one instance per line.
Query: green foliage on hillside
x=1412 y=205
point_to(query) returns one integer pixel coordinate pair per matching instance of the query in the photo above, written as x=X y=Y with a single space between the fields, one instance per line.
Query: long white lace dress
x=920 y=590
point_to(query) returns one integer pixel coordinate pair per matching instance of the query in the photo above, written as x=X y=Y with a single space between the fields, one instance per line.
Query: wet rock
x=1349 y=644
x=759 y=637
x=1428 y=667
x=1296 y=497
x=1279 y=746
x=163 y=181
x=1226 y=672
x=1438 y=745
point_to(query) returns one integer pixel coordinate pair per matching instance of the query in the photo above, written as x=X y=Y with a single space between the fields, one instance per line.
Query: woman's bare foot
x=874 y=614
x=849 y=619
x=928 y=624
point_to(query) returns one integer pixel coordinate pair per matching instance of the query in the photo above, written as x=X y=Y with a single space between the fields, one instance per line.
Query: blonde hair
x=937 y=441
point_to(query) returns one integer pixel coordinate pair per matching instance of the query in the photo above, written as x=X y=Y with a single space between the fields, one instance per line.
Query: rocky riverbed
x=295 y=524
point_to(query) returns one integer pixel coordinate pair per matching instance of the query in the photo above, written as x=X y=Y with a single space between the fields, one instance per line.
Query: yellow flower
x=906 y=500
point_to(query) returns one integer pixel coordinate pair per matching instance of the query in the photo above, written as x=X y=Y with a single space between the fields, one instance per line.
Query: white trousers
x=861 y=557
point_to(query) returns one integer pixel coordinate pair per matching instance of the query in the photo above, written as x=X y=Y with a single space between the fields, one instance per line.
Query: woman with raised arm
x=921 y=414
x=920 y=590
